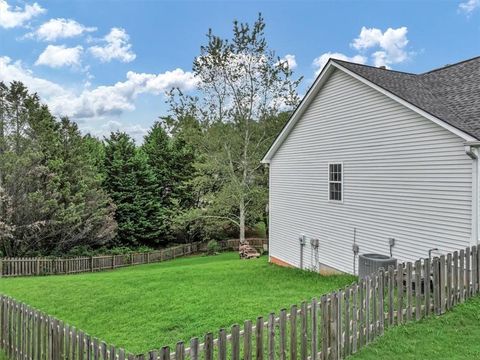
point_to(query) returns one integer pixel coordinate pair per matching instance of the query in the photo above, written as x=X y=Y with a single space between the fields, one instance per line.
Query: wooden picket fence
x=333 y=327
x=28 y=334
x=340 y=323
x=10 y=267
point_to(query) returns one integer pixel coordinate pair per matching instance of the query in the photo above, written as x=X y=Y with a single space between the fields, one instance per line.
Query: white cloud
x=469 y=5
x=117 y=46
x=290 y=60
x=59 y=28
x=14 y=17
x=391 y=44
x=136 y=131
x=58 y=56
x=10 y=71
x=117 y=98
x=99 y=102
x=320 y=62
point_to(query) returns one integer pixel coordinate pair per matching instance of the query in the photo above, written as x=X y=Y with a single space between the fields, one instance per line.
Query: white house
x=372 y=154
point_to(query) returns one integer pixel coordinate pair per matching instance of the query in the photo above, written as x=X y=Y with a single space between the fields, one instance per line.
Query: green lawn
x=144 y=307
x=454 y=335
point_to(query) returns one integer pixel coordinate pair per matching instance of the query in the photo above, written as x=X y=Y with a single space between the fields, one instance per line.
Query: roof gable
x=440 y=95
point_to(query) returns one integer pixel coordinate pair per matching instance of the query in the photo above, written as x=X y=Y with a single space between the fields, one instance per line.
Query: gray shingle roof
x=451 y=93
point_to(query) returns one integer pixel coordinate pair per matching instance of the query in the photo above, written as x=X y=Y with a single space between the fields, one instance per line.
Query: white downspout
x=473 y=153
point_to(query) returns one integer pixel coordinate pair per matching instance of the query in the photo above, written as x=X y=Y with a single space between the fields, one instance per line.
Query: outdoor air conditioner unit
x=370 y=263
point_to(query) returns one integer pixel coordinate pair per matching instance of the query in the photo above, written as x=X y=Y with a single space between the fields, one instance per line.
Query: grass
x=453 y=335
x=145 y=307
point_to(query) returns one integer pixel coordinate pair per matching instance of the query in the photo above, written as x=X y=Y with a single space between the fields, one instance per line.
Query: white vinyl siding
x=403 y=177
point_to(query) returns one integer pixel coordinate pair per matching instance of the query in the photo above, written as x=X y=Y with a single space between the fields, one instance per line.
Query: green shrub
x=213 y=247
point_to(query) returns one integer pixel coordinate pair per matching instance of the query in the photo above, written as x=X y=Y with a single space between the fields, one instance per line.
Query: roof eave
x=318 y=84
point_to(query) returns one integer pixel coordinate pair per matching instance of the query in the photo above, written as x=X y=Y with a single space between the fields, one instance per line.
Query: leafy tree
x=50 y=195
x=242 y=89
x=133 y=186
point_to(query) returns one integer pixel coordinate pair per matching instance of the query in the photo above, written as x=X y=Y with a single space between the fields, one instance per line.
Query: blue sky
x=107 y=64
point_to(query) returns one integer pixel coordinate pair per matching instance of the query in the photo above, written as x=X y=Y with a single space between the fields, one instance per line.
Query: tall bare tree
x=242 y=85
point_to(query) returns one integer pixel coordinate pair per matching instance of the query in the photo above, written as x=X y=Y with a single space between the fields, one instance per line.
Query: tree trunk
x=242 y=220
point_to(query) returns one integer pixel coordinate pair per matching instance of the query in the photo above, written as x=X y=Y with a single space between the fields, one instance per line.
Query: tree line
x=196 y=176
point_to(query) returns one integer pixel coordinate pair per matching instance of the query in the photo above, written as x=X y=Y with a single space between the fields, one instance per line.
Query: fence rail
x=332 y=327
x=10 y=267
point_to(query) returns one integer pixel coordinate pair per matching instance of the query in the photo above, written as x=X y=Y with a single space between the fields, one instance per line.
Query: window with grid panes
x=335 y=182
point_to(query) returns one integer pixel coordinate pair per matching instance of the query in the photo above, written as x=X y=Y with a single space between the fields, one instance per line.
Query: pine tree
x=133 y=186
x=157 y=146
x=172 y=159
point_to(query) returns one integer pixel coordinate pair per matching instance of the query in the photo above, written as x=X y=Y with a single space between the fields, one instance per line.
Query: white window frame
x=335 y=182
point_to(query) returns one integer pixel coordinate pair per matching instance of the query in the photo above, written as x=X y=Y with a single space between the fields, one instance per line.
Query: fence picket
x=247 y=340
x=418 y=289
x=194 y=349
x=314 y=339
x=208 y=350
x=293 y=332
x=222 y=344
x=367 y=309
x=180 y=351
x=442 y=292
x=427 y=285
x=165 y=353
x=354 y=319
x=399 y=293
x=271 y=336
x=449 y=274
x=409 y=291
x=381 y=300
x=391 y=289
x=259 y=338
x=236 y=341
x=303 y=331
x=474 y=270
x=324 y=327
x=346 y=340
x=461 y=276
x=467 y=273
x=361 y=313
x=455 y=279
x=374 y=307
x=283 y=334
x=436 y=286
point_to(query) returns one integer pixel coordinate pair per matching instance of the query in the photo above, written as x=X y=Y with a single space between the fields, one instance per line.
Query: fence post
x=91 y=263
x=1 y=267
